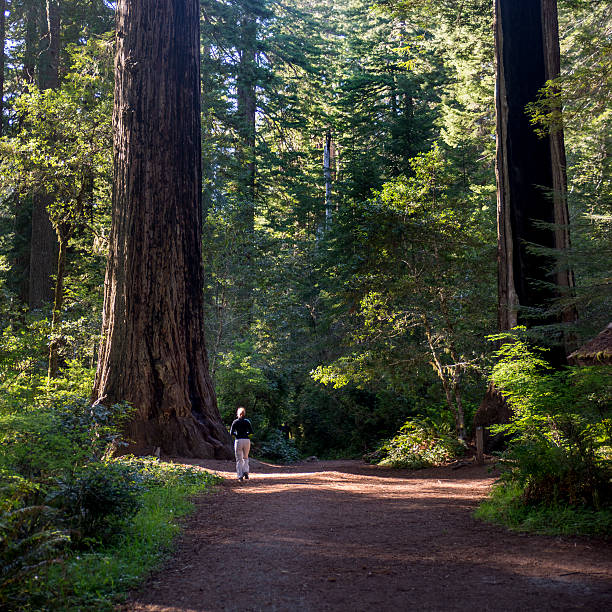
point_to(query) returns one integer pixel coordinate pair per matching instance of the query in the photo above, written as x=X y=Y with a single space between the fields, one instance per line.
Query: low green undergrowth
x=77 y=527
x=274 y=446
x=96 y=577
x=506 y=506
x=419 y=443
x=557 y=469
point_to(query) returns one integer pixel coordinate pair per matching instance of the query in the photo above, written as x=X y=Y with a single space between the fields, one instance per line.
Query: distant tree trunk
x=528 y=168
x=327 y=173
x=247 y=103
x=246 y=114
x=48 y=66
x=2 y=42
x=22 y=203
x=43 y=244
x=31 y=42
x=152 y=352
x=58 y=303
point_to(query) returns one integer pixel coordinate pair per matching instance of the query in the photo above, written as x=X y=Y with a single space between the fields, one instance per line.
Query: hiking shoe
x=240 y=477
x=246 y=476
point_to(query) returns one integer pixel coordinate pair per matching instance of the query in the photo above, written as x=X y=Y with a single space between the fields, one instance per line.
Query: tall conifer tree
x=153 y=353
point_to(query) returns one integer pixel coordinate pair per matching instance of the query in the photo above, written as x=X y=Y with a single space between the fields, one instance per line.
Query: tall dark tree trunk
x=152 y=352
x=247 y=104
x=528 y=169
x=44 y=245
x=552 y=61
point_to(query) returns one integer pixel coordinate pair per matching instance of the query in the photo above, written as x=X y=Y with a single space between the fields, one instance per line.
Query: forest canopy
x=349 y=205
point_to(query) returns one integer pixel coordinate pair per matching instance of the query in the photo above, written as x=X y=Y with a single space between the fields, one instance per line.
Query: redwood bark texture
x=552 y=62
x=529 y=168
x=152 y=352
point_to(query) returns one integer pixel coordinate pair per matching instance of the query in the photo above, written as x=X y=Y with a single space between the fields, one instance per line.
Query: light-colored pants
x=242 y=448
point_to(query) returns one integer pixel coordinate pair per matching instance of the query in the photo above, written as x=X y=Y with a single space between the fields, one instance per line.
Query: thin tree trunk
x=2 y=43
x=448 y=391
x=43 y=244
x=457 y=369
x=20 y=264
x=328 y=179
x=58 y=303
x=247 y=104
x=152 y=352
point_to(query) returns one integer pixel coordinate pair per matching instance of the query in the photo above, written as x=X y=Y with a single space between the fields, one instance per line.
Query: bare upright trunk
x=247 y=106
x=327 y=173
x=31 y=40
x=152 y=352
x=528 y=167
x=2 y=42
x=552 y=60
x=43 y=244
x=58 y=304
x=246 y=114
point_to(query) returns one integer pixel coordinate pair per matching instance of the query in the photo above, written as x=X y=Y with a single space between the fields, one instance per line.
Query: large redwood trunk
x=152 y=352
x=531 y=185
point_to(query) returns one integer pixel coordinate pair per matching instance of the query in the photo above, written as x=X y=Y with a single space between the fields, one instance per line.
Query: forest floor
x=343 y=535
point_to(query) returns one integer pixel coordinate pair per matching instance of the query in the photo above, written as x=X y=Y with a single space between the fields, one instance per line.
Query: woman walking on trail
x=242 y=428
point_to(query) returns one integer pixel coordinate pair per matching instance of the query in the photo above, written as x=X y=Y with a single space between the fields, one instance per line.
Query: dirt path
x=342 y=535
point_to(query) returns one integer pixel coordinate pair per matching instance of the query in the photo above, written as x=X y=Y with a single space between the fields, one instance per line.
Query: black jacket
x=241 y=428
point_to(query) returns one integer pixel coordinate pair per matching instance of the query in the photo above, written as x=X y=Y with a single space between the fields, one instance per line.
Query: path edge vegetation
x=99 y=579
x=557 y=464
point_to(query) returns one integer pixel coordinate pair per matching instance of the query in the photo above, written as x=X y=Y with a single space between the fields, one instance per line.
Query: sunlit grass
x=506 y=507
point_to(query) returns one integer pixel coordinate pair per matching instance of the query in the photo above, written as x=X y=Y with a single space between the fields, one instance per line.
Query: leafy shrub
x=23 y=353
x=561 y=449
x=419 y=443
x=96 y=500
x=53 y=439
x=151 y=473
x=276 y=447
x=97 y=578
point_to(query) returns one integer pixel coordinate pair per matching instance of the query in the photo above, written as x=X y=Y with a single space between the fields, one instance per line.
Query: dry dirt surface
x=343 y=535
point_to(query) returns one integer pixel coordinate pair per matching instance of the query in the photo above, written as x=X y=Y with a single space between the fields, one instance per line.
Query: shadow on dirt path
x=342 y=535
